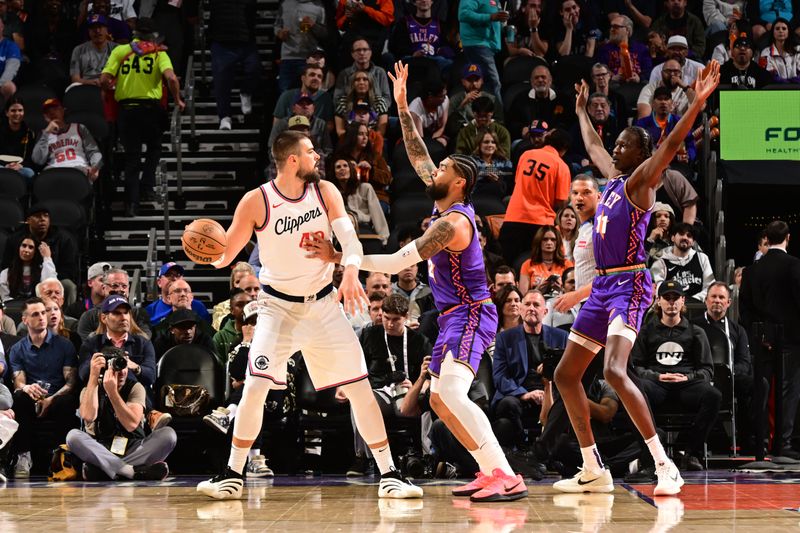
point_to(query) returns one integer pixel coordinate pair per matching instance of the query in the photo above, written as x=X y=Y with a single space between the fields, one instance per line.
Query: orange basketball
x=204 y=241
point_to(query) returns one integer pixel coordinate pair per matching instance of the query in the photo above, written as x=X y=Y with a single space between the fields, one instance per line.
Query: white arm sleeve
x=392 y=264
x=352 y=252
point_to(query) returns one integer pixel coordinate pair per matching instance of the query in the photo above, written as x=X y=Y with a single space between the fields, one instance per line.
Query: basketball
x=204 y=241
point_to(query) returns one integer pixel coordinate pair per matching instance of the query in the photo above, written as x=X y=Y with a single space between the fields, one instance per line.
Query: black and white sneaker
x=226 y=486
x=394 y=485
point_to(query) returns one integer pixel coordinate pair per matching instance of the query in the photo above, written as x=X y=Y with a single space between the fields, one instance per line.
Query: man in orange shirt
x=541 y=188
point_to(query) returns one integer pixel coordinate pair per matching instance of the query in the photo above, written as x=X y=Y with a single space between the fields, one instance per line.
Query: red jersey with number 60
x=542 y=178
x=289 y=223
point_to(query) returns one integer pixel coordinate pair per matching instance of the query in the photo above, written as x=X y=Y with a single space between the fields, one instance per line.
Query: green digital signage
x=760 y=125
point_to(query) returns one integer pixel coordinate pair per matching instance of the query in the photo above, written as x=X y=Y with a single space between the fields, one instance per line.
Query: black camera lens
x=119 y=363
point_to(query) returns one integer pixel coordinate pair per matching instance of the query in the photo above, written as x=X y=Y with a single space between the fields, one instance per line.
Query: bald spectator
x=681 y=92
x=541 y=103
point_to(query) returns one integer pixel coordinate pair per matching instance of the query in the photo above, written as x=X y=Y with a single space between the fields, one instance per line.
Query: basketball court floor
x=710 y=501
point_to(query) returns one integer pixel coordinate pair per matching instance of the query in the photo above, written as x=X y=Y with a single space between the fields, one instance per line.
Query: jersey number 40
x=307 y=237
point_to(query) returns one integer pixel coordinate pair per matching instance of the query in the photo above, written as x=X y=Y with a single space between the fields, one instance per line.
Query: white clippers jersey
x=583 y=255
x=284 y=265
x=66 y=149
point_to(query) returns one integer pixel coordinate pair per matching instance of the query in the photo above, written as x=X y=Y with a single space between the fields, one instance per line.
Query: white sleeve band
x=352 y=252
x=392 y=264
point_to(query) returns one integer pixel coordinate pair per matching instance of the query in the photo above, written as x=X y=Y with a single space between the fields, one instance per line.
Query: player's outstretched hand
x=318 y=248
x=399 y=80
x=351 y=293
x=582 y=98
x=707 y=80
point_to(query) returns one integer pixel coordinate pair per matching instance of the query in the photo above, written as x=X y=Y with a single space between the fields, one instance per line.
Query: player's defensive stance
x=468 y=321
x=622 y=289
x=298 y=309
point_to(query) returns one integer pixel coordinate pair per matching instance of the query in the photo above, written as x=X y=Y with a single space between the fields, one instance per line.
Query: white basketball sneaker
x=394 y=485
x=585 y=481
x=226 y=486
x=669 y=479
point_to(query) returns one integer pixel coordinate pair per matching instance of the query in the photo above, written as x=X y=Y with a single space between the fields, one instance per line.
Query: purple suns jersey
x=458 y=278
x=619 y=228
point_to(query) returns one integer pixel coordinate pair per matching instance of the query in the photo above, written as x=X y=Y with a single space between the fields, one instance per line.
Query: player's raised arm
x=350 y=289
x=594 y=144
x=417 y=152
x=249 y=214
x=643 y=182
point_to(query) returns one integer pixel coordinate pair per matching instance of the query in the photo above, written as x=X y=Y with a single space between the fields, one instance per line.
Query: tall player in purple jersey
x=468 y=319
x=622 y=289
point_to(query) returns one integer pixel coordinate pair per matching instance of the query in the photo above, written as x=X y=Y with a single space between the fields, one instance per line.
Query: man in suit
x=518 y=357
x=770 y=293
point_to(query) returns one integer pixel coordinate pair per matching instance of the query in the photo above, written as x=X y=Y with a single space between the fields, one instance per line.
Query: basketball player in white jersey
x=298 y=309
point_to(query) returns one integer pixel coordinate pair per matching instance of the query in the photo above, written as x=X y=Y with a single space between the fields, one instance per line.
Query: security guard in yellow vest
x=138 y=69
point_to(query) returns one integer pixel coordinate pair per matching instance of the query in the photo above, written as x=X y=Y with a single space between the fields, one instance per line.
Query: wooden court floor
x=711 y=501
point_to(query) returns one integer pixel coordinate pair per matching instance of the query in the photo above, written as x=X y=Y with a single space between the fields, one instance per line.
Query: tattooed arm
x=415 y=147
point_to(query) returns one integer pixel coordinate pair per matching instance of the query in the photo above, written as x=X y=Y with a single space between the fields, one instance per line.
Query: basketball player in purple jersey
x=622 y=290
x=468 y=319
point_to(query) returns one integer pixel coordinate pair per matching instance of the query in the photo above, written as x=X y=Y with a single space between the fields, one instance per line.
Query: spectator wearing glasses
x=741 y=71
x=678 y=49
x=601 y=83
x=682 y=93
x=627 y=59
x=362 y=60
x=181 y=327
x=159 y=309
x=115 y=282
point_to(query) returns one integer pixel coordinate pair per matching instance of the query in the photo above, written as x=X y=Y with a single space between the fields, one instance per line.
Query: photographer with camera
x=113 y=443
x=119 y=330
x=518 y=357
x=394 y=354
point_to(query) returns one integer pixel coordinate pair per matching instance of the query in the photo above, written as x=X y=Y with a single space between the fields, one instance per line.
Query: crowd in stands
x=488 y=81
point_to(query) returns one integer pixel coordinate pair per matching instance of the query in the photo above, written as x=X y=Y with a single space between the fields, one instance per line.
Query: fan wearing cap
x=469 y=137
x=673 y=358
x=136 y=73
x=10 y=59
x=459 y=112
x=678 y=49
x=94 y=287
x=310 y=84
x=121 y=17
x=662 y=121
x=158 y=310
x=115 y=281
x=89 y=58
x=304 y=118
x=181 y=327
x=741 y=71
x=682 y=263
x=676 y=20
x=65 y=144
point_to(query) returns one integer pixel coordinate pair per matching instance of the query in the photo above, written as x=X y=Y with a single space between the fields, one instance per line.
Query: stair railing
x=136 y=288
x=162 y=182
x=191 y=90
x=200 y=36
x=151 y=263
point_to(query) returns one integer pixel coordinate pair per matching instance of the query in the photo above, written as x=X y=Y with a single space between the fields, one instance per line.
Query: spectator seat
x=190 y=364
x=12 y=184
x=518 y=69
x=11 y=213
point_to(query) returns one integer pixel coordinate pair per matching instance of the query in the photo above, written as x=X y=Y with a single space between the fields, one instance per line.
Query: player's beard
x=436 y=191
x=311 y=177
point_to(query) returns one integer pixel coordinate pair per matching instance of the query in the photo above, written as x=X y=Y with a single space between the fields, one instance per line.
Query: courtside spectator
x=158 y=310
x=689 y=268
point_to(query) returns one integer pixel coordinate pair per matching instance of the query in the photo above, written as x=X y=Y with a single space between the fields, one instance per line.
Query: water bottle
x=511 y=34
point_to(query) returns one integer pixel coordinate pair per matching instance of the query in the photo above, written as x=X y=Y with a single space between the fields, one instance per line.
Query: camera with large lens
x=550 y=358
x=115 y=358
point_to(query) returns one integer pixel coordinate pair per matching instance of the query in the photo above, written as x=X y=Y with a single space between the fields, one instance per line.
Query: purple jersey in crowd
x=619 y=228
x=468 y=319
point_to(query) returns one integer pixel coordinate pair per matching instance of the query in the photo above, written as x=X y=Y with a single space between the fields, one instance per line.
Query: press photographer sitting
x=119 y=329
x=113 y=443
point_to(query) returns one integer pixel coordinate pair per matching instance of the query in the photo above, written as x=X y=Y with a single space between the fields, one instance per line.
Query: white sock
x=253 y=452
x=232 y=411
x=383 y=458
x=656 y=449
x=237 y=459
x=491 y=456
x=591 y=459
x=126 y=472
